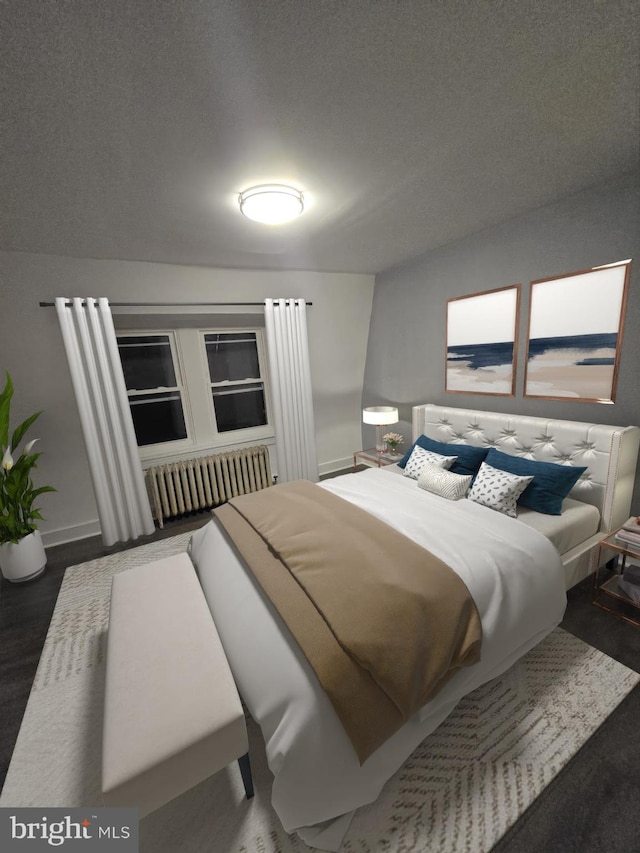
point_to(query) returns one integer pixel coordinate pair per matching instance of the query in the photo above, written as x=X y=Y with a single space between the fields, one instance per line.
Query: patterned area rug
x=461 y=789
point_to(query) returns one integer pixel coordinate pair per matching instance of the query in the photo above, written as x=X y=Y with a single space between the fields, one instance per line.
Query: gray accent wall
x=406 y=350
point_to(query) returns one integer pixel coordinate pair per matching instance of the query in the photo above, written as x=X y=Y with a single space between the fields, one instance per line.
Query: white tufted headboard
x=609 y=452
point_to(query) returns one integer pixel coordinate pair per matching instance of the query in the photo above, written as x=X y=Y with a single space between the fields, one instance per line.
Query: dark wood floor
x=592 y=804
x=589 y=807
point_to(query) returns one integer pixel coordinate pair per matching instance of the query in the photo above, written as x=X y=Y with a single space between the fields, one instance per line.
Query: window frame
x=250 y=433
x=191 y=366
x=179 y=444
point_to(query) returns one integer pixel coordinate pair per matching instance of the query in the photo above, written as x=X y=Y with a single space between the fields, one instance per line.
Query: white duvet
x=513 y=573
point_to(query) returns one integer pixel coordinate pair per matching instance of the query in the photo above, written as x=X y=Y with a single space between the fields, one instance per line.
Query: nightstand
x=606 y=593
x=372 y=459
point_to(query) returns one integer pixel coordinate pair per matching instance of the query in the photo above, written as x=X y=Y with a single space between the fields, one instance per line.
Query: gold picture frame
x=574 y=336
x=482 y=342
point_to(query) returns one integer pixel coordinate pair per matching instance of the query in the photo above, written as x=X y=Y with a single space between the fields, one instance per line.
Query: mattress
x=577 y=522
x=513 y=573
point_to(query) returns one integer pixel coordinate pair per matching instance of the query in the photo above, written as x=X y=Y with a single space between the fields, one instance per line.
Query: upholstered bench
x=172 y=714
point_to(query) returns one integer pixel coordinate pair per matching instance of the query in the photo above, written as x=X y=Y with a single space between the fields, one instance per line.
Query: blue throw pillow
x=550 y=485
x=469 y=459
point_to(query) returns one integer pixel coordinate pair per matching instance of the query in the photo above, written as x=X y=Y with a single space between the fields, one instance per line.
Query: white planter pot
x=24 y=560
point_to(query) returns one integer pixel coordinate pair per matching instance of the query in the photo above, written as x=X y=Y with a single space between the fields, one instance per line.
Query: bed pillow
x=550 y=485
x=420 y=457
x=444 y=483
x=469 y=457
x=498 y=489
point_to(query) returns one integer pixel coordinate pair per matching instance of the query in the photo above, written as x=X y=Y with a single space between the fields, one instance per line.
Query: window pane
x=158 y=417
x=232 y=356
x=147 y=362
x=239 y=407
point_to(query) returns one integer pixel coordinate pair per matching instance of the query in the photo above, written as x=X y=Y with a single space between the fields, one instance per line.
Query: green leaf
x=42 y=490
x=19 y=432
x=27 y=462
x=12 y=488
x=17 y=494
x=5 y=403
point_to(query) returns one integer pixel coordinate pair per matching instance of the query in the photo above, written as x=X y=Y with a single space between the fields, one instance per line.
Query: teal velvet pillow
x=550 y=485
x=469 y=459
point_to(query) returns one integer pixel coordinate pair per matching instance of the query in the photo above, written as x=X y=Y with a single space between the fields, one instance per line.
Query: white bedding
x=513 y=573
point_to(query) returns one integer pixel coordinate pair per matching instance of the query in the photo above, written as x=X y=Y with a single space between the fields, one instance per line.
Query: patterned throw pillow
x=444 y=483
x=498 y=489
x=468 y=456
x=419 y=458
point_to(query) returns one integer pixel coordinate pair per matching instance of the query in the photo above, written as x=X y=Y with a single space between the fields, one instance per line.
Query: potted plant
x=22 y=555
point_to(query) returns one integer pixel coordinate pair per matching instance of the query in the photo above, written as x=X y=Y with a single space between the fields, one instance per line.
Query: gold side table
x=372 y=459
x=606 y=593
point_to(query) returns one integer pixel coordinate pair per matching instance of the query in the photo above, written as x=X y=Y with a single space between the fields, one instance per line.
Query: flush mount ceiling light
x=271 y=204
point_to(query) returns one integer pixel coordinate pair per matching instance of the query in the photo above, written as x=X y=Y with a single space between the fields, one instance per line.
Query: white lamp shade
x=380 y=415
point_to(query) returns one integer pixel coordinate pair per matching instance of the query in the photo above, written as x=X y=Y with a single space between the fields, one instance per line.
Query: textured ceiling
x=129 y=126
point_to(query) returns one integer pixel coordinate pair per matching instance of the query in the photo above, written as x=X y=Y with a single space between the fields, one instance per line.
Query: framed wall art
x=482 y=331
x=575 y=334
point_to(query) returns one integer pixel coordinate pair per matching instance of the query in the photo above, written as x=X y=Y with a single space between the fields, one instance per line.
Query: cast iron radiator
x=192 y=484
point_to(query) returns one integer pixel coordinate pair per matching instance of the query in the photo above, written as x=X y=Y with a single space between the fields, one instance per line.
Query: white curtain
x=288 y=346
x=98 y=382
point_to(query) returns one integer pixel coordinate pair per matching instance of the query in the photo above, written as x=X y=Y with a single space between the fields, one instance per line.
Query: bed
x=516 y=577
x=601 y=499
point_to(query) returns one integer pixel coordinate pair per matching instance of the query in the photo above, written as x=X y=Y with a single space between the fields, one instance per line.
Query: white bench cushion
x=172 y=714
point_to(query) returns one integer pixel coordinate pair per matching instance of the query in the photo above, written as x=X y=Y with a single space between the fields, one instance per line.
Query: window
x=195 y=389
x=155 y=396
x=236 y=388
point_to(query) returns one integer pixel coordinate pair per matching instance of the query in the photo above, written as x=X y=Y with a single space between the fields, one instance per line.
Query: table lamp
x=380 y=416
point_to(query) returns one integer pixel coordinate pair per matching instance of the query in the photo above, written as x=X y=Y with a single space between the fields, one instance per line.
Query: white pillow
x=497 y=489
x=420 y=457
x=444 y=483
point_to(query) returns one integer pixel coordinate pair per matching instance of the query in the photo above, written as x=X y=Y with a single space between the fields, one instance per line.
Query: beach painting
x=482 y=342
x=575 y=331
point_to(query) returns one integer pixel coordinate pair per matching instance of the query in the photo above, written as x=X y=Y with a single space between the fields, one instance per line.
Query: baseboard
x=92 y=528
x=71 y=534
x=343 y=465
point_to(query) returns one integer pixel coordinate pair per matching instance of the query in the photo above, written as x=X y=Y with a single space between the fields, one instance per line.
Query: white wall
x=31 y=350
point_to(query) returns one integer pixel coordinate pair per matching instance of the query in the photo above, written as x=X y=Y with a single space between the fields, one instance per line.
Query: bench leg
x=245 y=769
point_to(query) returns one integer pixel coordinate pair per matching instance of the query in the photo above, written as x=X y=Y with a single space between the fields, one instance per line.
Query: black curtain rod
x=167 y=304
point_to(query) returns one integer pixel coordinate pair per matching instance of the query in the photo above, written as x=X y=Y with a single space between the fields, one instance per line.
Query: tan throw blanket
x=382 y=622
